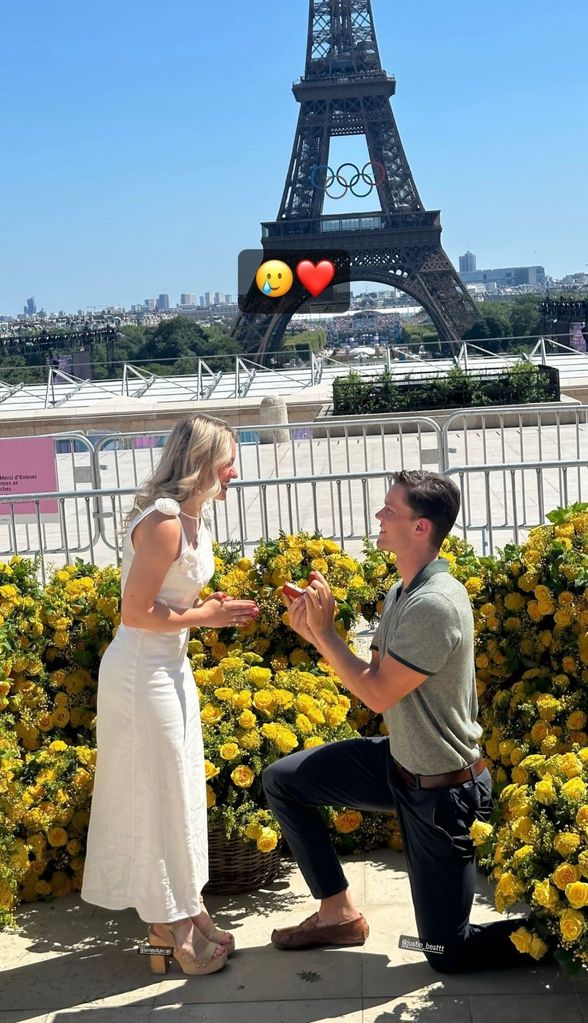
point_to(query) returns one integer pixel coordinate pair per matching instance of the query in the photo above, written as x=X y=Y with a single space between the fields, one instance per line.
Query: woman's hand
x=218 y=611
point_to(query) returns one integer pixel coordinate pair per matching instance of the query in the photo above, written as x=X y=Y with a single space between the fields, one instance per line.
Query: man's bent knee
x=274 y=777
x=445 y=962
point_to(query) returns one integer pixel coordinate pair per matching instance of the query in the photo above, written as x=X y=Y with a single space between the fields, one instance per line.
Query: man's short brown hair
x=431 y=496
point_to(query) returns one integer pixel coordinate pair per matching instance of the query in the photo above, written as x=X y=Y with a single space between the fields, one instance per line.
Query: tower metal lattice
x=345 y=92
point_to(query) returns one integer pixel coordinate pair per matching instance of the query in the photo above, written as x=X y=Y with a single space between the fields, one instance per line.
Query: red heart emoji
x=315 y=278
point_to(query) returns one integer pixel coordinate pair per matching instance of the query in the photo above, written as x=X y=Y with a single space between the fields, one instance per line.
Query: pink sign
x=28 y=466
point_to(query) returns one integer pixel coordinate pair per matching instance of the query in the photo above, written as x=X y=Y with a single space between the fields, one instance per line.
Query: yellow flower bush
x=264 y=693
x=51 y=640
x=251 y=716
x=531 y=618
x=275 y=562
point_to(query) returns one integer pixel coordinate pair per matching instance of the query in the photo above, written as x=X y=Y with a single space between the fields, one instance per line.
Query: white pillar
x=273 y=411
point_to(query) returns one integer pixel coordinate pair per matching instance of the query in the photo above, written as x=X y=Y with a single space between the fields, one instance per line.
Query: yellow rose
x=210 y=797
x=574 y=789
x=259 y=676
x=538 y=947
x=250 y=740
x=566 y=842
x=548 y=706
x=243 y=777
x=335 y=716
x=582 y=816
x=229 y=750
x=576 y=720
x=224 y=693
x=539 y=731
x=60 y=717
x=210 y=714
x=514 y=602
x=565 y=874
x=264 y=701
x=571 y=925
x=210 y=770
x=267 y=841
x=480 y=832
x=521 y=939
x=243 y=700
x=303 y=724
x=508 y=890
x=57 y=837
x=313 y=741
x=247 y=719
x=347 y=822
x=524 y=829
x=545 y=790
x=570 y=765
x=544 y=894
x=253 y=831
x=577 y=894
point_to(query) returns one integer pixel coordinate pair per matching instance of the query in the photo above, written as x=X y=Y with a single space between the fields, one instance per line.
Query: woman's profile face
x=226 y=473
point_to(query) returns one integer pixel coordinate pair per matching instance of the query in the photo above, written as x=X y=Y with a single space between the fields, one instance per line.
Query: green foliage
x=520 y=318
x=521 y=384
x=170 y=348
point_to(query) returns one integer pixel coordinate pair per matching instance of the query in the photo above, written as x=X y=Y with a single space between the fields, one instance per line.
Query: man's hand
x=297 y=615
x=320 y=606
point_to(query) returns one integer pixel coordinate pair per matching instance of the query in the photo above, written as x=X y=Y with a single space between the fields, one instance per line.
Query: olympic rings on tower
x=324 y=177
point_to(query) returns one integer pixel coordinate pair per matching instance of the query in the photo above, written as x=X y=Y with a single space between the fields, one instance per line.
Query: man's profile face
x=397 y=521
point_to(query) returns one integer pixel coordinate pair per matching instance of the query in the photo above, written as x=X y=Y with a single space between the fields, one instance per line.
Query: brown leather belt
x=437 y=781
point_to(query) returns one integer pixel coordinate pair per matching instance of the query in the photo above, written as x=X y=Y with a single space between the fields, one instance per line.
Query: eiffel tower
x=345 y=91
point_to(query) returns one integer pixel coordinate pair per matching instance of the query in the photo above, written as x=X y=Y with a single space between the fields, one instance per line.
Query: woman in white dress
x=147 y=838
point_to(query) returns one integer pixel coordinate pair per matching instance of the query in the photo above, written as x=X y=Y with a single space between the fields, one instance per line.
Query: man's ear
x=424 y=527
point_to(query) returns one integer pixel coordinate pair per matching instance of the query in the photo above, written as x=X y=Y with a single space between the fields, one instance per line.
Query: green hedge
x=524 y=383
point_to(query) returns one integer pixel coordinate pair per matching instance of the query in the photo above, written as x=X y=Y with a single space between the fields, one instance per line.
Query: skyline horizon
x=368 y=287
x=110 y=188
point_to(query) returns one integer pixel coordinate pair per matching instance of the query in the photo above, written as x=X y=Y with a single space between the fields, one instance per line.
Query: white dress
x=147 y=839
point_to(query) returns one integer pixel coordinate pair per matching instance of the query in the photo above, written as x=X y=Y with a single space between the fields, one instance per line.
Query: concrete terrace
x=70 y=962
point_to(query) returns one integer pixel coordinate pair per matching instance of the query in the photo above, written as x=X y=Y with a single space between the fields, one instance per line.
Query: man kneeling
x=429 y=769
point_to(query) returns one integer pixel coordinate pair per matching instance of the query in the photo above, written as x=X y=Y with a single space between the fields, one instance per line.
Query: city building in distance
x=532 y=277
x=467 y=263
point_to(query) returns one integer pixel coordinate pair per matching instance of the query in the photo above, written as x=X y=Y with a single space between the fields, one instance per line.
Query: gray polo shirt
x=429 y=626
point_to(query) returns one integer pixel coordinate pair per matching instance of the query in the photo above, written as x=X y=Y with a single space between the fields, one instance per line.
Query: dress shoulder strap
x=165 y=506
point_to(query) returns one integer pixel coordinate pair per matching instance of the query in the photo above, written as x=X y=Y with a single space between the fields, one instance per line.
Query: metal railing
x=500 y=503
x=276 y=451
x=515 y=433
x=512 y=465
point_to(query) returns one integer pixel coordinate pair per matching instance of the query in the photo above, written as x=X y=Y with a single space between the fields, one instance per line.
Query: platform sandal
x=197 y=963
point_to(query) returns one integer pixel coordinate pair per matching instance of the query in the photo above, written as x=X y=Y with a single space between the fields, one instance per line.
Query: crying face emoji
x=274 y=278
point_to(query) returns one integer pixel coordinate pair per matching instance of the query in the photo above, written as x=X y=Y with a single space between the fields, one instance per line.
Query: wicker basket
x=235 y=866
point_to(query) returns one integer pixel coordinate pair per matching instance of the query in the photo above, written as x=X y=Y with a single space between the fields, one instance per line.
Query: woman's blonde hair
x=193 y=454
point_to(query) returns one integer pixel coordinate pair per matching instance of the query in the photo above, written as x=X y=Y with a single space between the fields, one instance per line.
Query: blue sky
x=144 y=142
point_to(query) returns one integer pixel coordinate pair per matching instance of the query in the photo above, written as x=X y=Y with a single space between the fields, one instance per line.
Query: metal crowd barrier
x=275 y=451
x=523 y=433
x=75 y=471
x=502 y=502
x=505 y=501
x=328 y=475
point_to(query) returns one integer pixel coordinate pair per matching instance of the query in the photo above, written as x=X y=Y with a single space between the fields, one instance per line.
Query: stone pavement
x=73 y=963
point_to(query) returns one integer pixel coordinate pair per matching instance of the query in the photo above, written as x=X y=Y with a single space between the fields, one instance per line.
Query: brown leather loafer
x=311 y=934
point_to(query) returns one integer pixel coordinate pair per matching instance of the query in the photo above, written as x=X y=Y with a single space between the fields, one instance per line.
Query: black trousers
x=435 y=824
